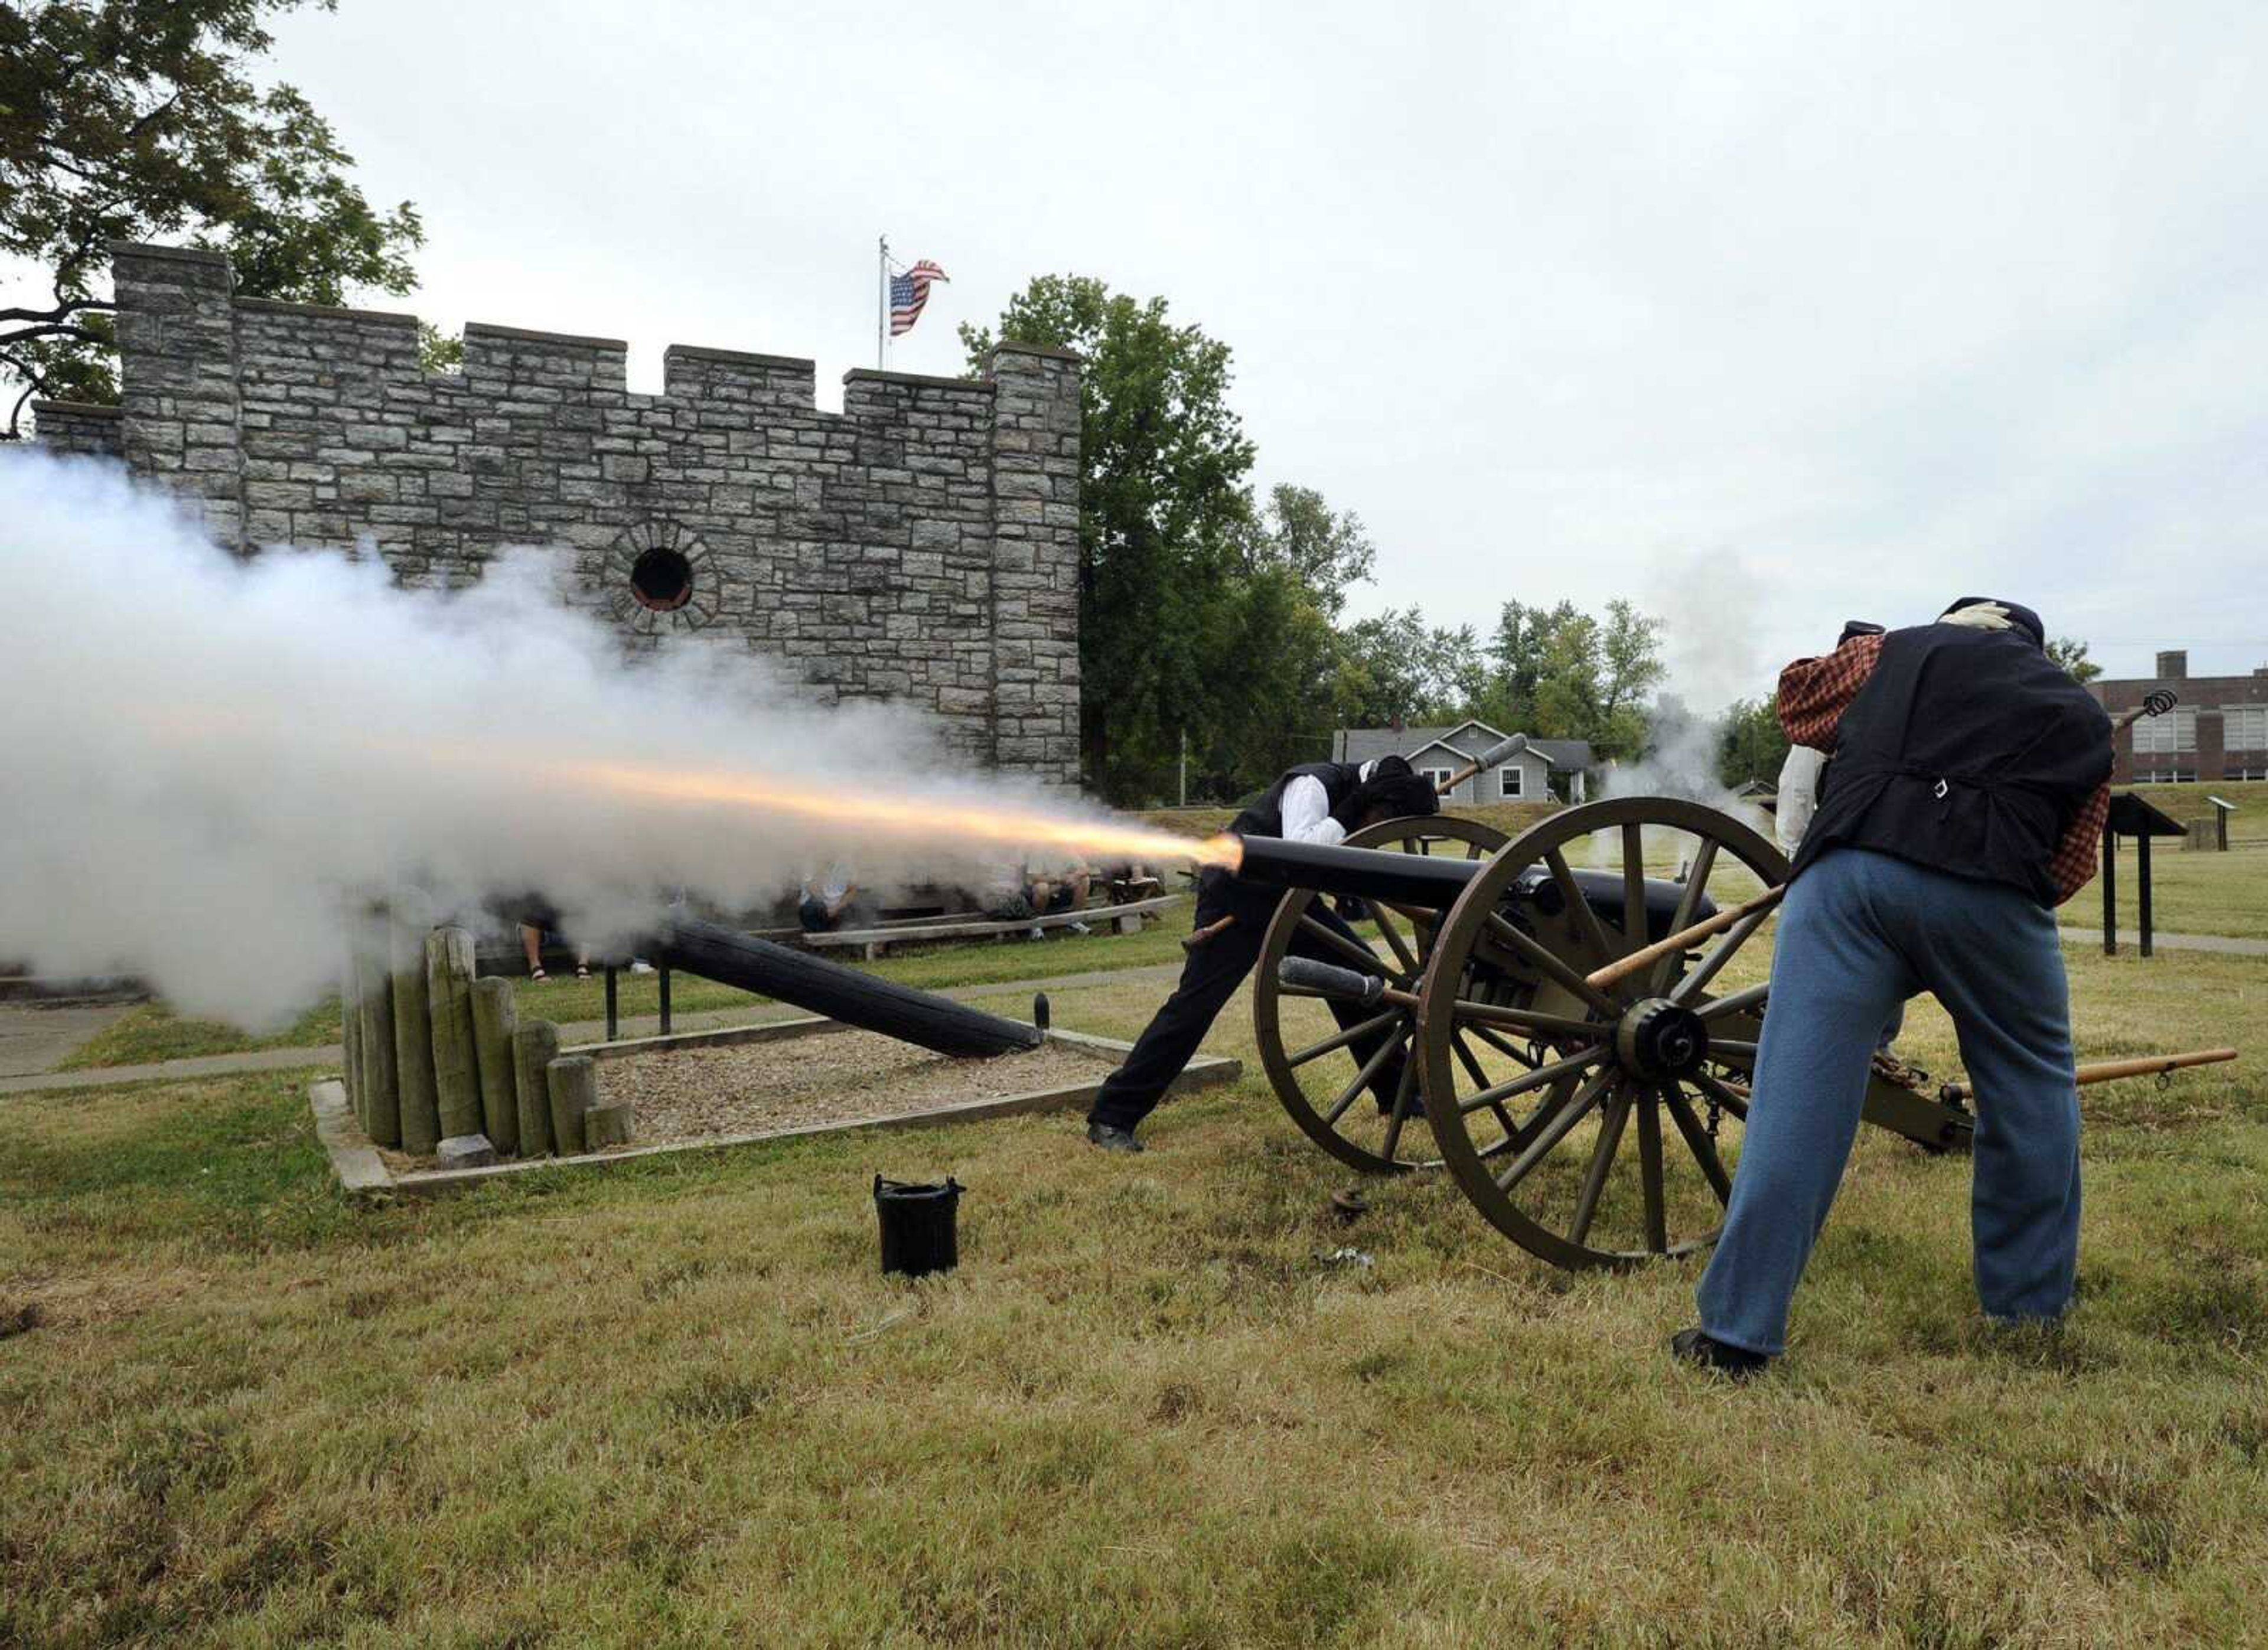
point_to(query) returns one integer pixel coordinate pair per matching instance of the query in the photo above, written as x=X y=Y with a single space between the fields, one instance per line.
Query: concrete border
x=353 y=1158
x=361 y=1171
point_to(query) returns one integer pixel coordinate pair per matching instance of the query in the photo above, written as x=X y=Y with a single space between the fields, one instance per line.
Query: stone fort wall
x=920 y=546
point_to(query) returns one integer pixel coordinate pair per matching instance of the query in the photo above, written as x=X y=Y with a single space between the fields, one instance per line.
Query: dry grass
x=675 y=1405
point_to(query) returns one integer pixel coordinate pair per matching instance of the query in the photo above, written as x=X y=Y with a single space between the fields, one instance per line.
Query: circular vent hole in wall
x=661 y=579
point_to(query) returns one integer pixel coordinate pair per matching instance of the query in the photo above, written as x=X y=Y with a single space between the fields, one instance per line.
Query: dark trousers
x=1209 y=979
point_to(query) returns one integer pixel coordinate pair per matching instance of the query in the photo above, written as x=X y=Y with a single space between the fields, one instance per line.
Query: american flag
x=908 y=292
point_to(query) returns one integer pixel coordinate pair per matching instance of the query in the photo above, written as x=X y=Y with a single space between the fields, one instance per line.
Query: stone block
x=466 y=1150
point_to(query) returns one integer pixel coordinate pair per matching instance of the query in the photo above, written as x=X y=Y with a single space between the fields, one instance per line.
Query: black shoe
x=1699 y=1346
x=1111 y=1137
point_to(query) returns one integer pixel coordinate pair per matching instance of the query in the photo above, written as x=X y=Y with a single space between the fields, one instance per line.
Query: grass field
x=675 y=1405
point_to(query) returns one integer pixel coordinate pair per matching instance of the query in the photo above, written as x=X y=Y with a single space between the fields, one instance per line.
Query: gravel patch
x=701 y=1093
x=691 y=1094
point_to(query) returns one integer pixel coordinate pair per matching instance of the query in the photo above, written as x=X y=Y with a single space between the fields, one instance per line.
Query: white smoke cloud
x=206 y=757
x=1713 y=608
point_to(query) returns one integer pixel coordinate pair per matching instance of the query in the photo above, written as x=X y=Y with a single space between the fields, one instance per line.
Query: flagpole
x=882 y=300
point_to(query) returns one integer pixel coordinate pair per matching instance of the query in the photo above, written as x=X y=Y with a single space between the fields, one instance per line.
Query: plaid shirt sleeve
x=1813 y=693
x=2073 y=865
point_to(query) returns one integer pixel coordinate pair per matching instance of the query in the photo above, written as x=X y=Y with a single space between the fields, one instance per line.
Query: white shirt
x=1799 y=795
x=1307 y=810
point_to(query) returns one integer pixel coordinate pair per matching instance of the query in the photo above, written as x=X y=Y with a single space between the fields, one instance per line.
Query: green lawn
x=153 y=1032
x=674 y=1403
x=2190 y=892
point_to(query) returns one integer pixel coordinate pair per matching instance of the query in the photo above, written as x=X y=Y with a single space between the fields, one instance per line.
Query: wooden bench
x=871 y=943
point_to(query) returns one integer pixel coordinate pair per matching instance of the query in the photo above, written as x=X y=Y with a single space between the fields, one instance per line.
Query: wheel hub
x=1658 y=1038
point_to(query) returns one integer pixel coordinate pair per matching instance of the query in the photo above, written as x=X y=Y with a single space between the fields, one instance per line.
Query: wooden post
x=534 y=1048
x=496 y=1017
x=456 y=1069
x=413 y=1035
x=2142 y=889
x=381 y=1105
x=574 y=1084
x=350 y=1027
x=607 y=1123
x=2109 y=892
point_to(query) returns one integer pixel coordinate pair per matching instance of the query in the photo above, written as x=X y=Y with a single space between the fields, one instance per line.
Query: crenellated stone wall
x=921 y=545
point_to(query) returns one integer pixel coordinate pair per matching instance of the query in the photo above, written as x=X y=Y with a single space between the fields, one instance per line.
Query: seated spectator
x=1131 y=881
x=825 y=898
x=1061 y=890
x=531 y=942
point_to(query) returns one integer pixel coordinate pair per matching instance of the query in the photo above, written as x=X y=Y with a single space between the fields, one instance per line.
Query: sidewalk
x=2129 y=940
x=581 y=1031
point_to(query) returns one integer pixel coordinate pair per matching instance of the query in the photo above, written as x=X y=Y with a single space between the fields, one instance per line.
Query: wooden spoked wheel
x=1310 y=1056
x=1598 y=1127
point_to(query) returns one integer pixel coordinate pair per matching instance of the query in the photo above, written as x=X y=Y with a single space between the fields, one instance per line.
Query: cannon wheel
x=1320 y=1080
x=1612 y=1162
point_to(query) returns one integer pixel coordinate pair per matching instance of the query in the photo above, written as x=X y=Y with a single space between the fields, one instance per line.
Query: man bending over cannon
x=1966 y=800
x=1319 y=802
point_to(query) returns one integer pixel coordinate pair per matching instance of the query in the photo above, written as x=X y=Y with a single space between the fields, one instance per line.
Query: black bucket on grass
x=920 y=1233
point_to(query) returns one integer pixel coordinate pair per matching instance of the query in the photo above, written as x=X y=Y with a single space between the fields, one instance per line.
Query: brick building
x=921 y=545
x=2219 y=731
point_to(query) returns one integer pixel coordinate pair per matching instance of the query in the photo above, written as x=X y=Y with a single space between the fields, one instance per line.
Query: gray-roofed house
x=1548 y=769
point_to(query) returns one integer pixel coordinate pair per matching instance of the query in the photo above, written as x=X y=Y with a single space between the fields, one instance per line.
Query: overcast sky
x=1763 y=316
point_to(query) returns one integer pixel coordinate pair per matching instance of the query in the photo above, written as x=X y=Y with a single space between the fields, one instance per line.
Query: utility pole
x=1185 y=768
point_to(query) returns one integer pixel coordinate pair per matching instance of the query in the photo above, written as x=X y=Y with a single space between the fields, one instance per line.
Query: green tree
x=1161 y=509
x=1753 y=744
x=1275 y=650
x=136 y=120
x=1595 y=675
x=1297 y=533
x=1518 y=652
x=1394 y=664
x=2070 y=654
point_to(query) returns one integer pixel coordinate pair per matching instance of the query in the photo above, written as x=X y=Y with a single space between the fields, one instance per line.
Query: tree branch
x=68 y=307
x=28 y=334
x=15 y=414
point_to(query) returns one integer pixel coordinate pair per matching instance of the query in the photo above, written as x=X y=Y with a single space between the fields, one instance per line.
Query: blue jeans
x=1859 y=933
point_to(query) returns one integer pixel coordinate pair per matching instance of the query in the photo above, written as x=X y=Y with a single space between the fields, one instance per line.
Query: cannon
x=1589 y=1116
x=857 y=999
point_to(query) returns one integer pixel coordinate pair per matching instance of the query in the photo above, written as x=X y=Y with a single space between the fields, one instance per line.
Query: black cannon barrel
x=1433 y=883
x=827 y=988
x=1405 y=879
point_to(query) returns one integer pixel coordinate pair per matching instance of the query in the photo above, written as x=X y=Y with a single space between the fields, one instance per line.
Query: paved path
x=2129 y=940
x=18 y=1078
x=34 y=1037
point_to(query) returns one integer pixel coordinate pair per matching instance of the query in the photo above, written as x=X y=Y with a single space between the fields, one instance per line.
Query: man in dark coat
x=1965 y=801
x=1318 y=802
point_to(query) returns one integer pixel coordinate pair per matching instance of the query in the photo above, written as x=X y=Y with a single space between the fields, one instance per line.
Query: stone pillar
x=178 y=379
x=2212 y=746
x=1036 y=475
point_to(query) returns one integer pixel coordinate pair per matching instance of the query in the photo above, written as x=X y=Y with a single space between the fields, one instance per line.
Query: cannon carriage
x=1593 y=1120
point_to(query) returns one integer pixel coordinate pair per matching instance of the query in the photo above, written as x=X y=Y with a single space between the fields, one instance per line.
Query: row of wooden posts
x=435 y=1053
